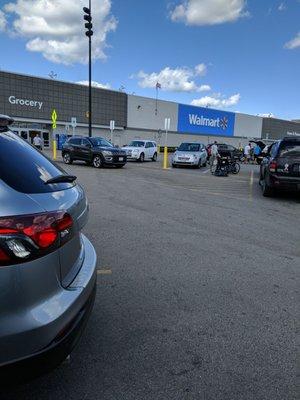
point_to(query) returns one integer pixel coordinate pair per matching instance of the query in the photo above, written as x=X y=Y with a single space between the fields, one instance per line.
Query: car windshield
x=97 y=141
x=137 y=143
x=290 y=149
x=189 y=147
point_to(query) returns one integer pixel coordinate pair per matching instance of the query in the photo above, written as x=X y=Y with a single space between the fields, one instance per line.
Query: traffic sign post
x=112 y=128
x=73 y=124
x=54 y=119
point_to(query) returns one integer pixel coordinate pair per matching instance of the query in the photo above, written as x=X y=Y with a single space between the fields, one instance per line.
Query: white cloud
x=217 y=100
x=3 y=21
x=282 y=7
x=55 y=28
x=209 y=12
x=201 y=69
x=204 y=88
x=180 y=79
x=294 y=43
x=95 y=84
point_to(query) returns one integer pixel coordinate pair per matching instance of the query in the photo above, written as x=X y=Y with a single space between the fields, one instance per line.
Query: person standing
x=213 y=153
x=37 y=142
x=247 y=150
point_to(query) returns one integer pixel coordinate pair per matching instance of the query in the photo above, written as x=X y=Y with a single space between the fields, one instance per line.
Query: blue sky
x=231 y=54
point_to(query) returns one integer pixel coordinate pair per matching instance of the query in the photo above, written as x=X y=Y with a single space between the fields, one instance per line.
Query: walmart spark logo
x=224 y=123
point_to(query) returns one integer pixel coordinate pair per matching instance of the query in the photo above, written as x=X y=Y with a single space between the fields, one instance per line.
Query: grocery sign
x=205 y=121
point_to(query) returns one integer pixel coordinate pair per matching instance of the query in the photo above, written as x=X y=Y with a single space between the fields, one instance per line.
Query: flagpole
x=156 y=100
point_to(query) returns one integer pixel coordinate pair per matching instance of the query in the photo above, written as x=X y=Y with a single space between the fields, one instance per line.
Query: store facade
x=31 y=101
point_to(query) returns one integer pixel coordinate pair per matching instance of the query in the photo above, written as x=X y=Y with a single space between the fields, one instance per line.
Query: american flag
x=158 y=85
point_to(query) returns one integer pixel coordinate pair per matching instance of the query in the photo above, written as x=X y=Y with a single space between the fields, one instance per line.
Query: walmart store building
x=31 y=101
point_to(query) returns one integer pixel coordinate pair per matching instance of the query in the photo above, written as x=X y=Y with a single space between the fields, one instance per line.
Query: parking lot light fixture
x=89 y=33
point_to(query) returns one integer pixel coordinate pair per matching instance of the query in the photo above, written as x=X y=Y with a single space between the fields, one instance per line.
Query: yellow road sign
x=54 y=118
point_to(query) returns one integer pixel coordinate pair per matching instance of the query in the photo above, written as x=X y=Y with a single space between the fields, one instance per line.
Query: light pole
x=89 y=33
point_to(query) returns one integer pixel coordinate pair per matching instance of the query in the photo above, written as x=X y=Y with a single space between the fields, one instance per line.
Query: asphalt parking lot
x=197 y=290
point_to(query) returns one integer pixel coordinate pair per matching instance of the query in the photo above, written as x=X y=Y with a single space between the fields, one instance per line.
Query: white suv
x=141 y=150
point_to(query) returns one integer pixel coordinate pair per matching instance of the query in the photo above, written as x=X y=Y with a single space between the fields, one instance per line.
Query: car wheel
x=199 y=164
x=97 y=161
x=205 y=164
x=67 y=158
x=154 y=158
x=142 y=157
x=267 y=191
x=174 y=166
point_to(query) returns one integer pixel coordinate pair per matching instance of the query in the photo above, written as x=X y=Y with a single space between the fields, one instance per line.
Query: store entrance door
x=29 y=134
x=44 y=135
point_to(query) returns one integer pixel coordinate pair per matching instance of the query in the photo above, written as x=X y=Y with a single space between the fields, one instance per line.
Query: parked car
x=93 y=150
x=47 y=266
x=228 y=149
x=192 y=154
x=141 y=150
x=280 y=168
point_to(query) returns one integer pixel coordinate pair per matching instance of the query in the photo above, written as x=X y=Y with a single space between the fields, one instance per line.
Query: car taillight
x=27 y=237
x=273 y=166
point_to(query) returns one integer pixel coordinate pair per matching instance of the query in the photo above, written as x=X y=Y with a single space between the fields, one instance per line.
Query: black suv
x=93 y=150
x=280 y=168
x=226 y=149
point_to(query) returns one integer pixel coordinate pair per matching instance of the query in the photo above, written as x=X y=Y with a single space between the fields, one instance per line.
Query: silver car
x=47 y=266
x=192 y=154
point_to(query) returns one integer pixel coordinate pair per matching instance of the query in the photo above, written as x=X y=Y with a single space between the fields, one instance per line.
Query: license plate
x=121 y=158
x=296 y=168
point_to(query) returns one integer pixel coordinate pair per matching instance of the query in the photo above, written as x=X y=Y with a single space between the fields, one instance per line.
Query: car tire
x=119 y=166
x=67 y=158
x=267 y=191
x=174 y=166
x=142 y=157
x=154 y=158
x=97 y=161
x=205 y=164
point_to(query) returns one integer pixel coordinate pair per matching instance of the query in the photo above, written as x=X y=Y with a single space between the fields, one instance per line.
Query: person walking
x=37 y=142
x=247 y=150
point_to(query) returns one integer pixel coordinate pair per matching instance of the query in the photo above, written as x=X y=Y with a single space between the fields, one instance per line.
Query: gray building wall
x=142 y=113
x=247 y=126
x=278 y=128
x=175 y=139
x=69 y=100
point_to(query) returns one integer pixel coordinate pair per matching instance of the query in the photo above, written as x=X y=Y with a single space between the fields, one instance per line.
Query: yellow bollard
x=165 y=164
x=54 y=149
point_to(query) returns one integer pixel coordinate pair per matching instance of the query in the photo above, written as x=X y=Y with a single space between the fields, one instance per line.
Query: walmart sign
x=205 y=121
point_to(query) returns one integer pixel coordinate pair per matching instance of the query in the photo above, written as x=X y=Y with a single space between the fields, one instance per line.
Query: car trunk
x=288 y=160
x=288 y=166
x=74 y=202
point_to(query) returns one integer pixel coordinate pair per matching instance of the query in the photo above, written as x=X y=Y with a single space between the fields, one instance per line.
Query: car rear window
x=25 y=169
x=289 y=149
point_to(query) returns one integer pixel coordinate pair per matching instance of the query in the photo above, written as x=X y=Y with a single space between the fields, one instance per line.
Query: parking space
x=197 y=289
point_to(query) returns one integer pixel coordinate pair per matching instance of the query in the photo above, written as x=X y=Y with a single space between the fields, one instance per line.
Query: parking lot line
x=251 y=186
x=104 y=271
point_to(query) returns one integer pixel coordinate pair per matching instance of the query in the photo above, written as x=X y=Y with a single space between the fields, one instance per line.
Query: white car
x=192 y=154
x=141 y=150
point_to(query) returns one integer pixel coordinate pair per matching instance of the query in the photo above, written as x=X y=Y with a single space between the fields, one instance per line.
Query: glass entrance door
x=46 y=139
